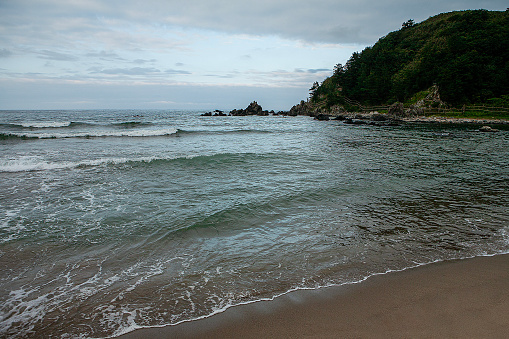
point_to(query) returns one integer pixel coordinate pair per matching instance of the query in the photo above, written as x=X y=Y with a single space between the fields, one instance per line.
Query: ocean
x=112 y=220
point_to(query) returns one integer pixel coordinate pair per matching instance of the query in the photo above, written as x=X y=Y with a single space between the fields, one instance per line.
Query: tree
x=408 y=24
x=338 y=69
x=313 y=89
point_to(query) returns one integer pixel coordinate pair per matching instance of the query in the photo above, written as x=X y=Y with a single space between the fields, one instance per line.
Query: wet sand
x=455 y=299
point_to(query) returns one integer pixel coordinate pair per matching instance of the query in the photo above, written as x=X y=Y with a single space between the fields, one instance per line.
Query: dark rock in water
x=384 y=123
x=354 y=122
x=219 y=113
x=392 y=123
x=487 y=129
x=340 y=118
x=379 y=117
x=360 y=117
x=322 y=117
x=253 y=109
x=359 y=122
x=216 y=113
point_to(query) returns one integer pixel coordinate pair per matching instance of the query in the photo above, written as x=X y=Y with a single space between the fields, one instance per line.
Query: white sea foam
x=27 y=164
x=46 y=124
x=23 y=309
x=30 y=163
x=99 y=133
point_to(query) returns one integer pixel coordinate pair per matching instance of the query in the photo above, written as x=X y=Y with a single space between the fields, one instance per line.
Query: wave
x=91 y=134
x=8 y=136
x=221 y=132
x=46 y=124
x=70 y=124
x=29 y=164
x=124 y=129
x=131 y=123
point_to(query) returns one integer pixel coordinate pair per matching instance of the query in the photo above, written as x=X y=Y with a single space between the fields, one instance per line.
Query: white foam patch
x=46 y=124
x=100 y=134
x=26 y=164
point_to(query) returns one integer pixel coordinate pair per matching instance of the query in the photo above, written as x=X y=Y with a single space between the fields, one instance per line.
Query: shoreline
x=457 y=298
x=448 y=120
x=427 y=119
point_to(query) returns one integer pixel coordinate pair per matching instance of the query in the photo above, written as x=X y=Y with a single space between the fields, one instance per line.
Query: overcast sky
x=188 y=54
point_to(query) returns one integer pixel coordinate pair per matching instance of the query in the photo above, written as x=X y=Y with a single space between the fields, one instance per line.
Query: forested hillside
x=466 y=54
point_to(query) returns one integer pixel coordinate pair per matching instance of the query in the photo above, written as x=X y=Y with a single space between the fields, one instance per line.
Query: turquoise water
x=114 y=220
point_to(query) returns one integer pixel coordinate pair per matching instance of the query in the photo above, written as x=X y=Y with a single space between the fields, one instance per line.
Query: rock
x=414 y=111
x=360 y=116
x=487 y=129
x=389 y=123
x=378 y=117
x=397 y=109
x=354 y=122
x=253 y=109
x=304 y=108
x=322 y=117
x=216 y=113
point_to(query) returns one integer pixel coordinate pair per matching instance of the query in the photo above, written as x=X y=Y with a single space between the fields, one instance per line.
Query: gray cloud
x=5 y=53
x=337 y=21
x=312 y=70
x=51 y=55
x=143 y=61
x=103 y=55
x=126 y=71
x=135 y=71
x=176 y=71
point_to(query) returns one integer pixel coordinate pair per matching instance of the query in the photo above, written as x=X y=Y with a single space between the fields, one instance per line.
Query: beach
x=454 y=299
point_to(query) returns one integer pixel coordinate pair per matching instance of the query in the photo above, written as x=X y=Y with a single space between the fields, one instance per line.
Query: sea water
x=115 y=220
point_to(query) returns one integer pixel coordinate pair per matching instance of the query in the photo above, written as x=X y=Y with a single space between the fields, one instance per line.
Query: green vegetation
x=450 y=60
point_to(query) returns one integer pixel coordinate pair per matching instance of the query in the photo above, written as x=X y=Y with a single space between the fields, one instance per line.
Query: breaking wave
x=91 y=134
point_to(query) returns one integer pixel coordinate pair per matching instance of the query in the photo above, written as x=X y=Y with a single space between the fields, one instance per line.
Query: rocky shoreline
x=393 y=118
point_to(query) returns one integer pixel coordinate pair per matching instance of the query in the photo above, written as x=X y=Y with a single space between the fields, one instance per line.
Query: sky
x=188 y=54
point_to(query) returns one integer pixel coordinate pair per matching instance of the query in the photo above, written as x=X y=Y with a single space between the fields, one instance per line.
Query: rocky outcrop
x=432 y=99
x=216 y=113
x=253 y=109
x=303 y=108
x=397 y=110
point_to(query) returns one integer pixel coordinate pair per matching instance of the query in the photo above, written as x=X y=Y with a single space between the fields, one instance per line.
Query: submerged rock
x=487 y=129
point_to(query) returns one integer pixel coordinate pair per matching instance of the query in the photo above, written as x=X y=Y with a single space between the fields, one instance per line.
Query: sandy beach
x=455 y=299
